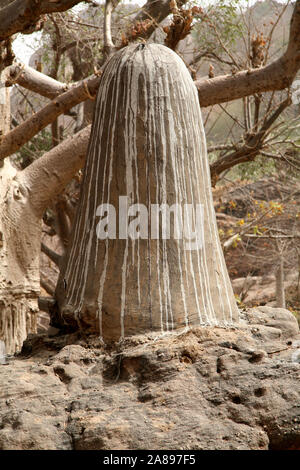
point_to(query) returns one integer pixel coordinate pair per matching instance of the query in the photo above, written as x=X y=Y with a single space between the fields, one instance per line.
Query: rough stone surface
x=208 y=388
x=257 y=290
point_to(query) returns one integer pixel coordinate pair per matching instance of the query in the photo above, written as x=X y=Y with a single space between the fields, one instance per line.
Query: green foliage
x=221 y=18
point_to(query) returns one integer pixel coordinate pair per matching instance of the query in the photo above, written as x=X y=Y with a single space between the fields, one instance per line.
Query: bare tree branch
x=156 y=11
x=47 y=284
x=14 y=140
x=250 y=149
x=47 y=176
x=109 y=46
x=57 y=43
x=23 y=15
x=55 y=257
x=35 y=81
x=275 y=76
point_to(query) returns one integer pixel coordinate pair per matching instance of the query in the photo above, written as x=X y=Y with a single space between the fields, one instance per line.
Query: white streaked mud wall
x=147 y=143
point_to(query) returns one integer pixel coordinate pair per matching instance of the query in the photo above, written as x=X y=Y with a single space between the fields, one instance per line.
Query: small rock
x=257 y=356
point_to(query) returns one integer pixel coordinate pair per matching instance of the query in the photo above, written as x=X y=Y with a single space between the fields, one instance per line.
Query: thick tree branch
x=22 y=15
x=275 y=76
x=47 y=176
x=156 y=11
x=33 y=80
x=14 y=140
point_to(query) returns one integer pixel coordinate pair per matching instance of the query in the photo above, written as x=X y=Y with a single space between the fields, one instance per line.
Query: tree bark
x=148 y=145
x=24 y=195
x=47 y=176
x=15 y=139
x=20 y=232
x=35 y=81
x=22 y=15
x=4 y=106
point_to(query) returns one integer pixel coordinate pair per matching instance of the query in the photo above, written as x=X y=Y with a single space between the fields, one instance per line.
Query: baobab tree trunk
x=24 y=196
x=20 y=233
x=147 y=151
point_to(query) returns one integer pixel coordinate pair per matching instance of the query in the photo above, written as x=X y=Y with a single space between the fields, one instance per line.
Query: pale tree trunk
x=280 y=293
x=19 y=252
x=147 y=144
x=20 y=232
x=24 y=195
x=4 y=105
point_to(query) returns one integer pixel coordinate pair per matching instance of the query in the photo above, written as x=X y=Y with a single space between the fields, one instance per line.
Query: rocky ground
x=208 y=388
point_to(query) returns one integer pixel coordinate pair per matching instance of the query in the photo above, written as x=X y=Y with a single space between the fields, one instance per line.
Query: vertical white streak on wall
x=104 y=270
x=151 y=128
x=131 y=112
x=173 y=143
x=162 y=133
x=199 y=169
x=192 y=161
x=147 y=155
x=181 y=177
x=214 y=229
x=186 y=170
x=184 y=191
x=74 y=259
x=108 y=157
x=128 y=182
x=134 y=136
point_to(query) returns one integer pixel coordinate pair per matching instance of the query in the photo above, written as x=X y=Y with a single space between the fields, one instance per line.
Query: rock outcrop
x=207 y=388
